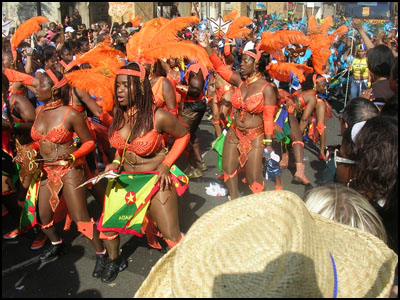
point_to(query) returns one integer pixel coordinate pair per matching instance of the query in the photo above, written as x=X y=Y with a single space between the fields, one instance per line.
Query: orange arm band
x=174 y=111
x=227 y=49
x=106 y=118
x=177 y=148
x=220 y=68
x=268 y=119
x=15 y=76
x=85 y=149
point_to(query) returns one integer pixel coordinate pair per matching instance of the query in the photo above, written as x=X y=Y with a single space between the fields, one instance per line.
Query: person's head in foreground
x=270 y=245
x=345 y=205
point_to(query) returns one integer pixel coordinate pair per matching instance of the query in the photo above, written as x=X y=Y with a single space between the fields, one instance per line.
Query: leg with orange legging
x=298 y=152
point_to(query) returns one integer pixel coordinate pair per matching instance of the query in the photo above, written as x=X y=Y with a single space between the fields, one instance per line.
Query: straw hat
x=270 y=245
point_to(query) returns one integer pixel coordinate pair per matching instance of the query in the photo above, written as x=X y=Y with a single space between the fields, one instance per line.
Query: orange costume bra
x=57 y=135
x=254 y=104
x=145 y=145
x=300 y=96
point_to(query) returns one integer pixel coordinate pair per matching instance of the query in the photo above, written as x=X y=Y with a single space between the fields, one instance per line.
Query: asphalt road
x=70 y=276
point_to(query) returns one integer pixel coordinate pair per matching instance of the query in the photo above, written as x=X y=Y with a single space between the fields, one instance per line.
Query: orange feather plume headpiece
x=159 y=39
x=284 y=71
x=237 y=29
x=273 y=43
x=320 y=41
x=100 y=79
x=231 y=17
x=135 y=21
x=24 y=30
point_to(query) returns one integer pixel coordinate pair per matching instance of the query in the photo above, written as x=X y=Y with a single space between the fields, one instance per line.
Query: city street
x=23 y=275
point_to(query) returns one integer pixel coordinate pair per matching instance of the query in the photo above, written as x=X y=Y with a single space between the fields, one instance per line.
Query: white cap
x=249 y=45
x=69 y=29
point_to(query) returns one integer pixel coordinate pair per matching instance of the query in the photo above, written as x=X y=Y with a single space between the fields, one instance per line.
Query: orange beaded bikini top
x=144 y=145
x=253 y=104
x=57 y=135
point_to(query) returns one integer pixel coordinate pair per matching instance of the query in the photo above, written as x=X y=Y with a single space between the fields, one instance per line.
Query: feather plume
x=168 y=32
x=183 y=49
x=141 y=39
x=312 y=24
x=232 y=16
x=99 y=54
x=97 y=81
x=237 y=24
x=342 y=30
x=328 y=21
x=135 y=21
x=283 y=71
x=26 y=29
x=239 y=33
x=273 y=43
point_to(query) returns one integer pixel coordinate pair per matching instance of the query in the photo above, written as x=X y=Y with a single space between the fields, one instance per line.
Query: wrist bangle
x=16 y=125
x=116 y=161
x=267 y=141
x=73 y=160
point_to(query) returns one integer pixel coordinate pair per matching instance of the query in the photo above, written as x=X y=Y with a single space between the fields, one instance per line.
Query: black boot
x=113 y=267
x=54 y=251
x=101 y=262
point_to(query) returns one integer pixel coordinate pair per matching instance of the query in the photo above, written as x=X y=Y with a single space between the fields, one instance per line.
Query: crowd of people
x=120 y=104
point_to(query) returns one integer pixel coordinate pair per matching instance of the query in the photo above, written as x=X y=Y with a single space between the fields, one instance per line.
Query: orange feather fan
x=312 y=25
x=101 y=53
x=169 y=31
x=273 y=43
x=282 y=71
x=180 y=50
x=342 y=30
x=140 y=40
x=98 y=81
x=326 y=25
x=135 y=21
x=24 y=30
x=232 y=16
x=236 y=28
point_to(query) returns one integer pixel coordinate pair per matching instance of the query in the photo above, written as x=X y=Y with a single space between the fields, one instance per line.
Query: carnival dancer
x=163 y=90
x=323 y=112
x=221 y=102
x=194 y=108
x=254 y=107
x=136 y=132
x=61 y=166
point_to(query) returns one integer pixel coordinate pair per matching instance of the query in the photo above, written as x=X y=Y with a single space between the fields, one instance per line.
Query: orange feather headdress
x=24 y=30
x=159 y=39
x=135 y=21
x=237 y=29
x=320 y=42
x=273 y=43
x=231 y=17
x=99 y=80
x=283 y=71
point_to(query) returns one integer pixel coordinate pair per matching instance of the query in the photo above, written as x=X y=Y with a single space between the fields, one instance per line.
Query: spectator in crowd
x=274 y=247
x=76 y=19
x=344 y=205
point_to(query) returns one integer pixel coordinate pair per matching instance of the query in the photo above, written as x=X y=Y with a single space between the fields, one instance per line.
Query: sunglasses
x=338 y=159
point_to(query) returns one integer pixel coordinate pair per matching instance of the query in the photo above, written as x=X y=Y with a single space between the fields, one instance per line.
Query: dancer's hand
x=163 y=177
x=112 y=166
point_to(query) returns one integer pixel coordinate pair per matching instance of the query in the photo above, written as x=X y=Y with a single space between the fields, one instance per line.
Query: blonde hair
x=346 y=206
